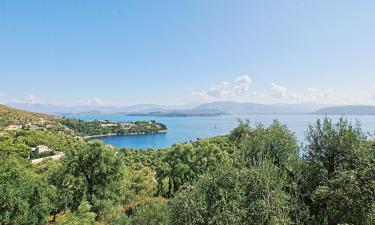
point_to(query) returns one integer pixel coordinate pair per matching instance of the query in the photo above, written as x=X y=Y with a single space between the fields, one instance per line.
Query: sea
x=185 y=129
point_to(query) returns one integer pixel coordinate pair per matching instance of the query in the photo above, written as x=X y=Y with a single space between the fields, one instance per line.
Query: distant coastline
x=210 y=109
x=128 y=134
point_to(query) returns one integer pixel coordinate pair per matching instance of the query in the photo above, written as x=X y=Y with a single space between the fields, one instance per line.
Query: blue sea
x=183 y=129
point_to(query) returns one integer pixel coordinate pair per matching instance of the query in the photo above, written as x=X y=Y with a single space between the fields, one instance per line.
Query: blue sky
x=177 y=52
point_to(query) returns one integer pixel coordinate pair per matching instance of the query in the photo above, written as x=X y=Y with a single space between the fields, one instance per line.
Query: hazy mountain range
x=206 y=109
x=347 y=110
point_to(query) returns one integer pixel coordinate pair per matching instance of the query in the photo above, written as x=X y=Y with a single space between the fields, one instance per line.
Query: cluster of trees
x=255 y=175
x=21 y=142
x=90 y=184
x=333 y=183
x=92 y=128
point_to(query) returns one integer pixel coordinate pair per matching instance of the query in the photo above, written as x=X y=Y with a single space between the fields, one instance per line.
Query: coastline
x=129 y=134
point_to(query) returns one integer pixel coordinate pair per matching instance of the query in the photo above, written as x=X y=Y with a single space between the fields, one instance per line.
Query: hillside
x=347 y=110
x=38 y=121
x=10 y=115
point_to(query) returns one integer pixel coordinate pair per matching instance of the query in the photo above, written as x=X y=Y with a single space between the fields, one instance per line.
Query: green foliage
x=185 y=163
x=139 y=182
x=339 y=186
x=10 y=116
x=83 y=216
x=234 y=196
x=151 y=214
x=253 y=176
x=91 y=173
x=54 y=140
x=275 y=143
x=9 y=148
x=92 y=128
x=216 y=198
x=114 y=216
x=23 y=195
x=258 y=188
x=148 y=158
x=267 y=201
x=241 y=132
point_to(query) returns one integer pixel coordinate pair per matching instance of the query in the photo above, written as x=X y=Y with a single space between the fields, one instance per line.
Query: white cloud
x=258 y=95
x=240 y=89
x=278 y=91
x=221 y=90
x=33 y=99
x=243 y=84
x=225 y=90
x=201 y=95
x=317 y=95
x=372 y=94
x=96 y=101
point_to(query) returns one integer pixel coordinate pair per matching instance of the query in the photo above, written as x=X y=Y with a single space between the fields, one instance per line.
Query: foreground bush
x=23 y=194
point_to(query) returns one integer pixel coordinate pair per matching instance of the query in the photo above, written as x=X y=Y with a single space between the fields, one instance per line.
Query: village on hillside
x=16 y=123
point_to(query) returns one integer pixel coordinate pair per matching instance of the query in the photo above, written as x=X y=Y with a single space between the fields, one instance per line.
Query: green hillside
x=10 y=116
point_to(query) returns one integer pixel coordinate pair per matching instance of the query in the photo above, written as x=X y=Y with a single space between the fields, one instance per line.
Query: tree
x=151 y=214
x=140 y=182
x=241 y=132
x=217 y=197
x=92 y=173
x=8 y=148
x=275 y=143
x=83 y=216
x=259 y=187
x=236 y=196
x=185 y=163
x=23 y=195
x=339 y=184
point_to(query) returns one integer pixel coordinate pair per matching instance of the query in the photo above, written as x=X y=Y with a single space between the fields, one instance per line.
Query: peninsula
x=99 y=128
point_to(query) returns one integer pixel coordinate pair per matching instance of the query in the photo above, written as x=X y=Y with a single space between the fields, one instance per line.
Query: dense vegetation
x=92 y=128
x=255 y=175
x=18 y=119
x=15 y=116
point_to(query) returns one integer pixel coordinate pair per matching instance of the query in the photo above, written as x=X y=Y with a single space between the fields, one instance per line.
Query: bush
x=151 y=214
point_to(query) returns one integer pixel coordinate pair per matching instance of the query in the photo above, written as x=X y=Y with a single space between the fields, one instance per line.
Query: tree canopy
x=254 y=175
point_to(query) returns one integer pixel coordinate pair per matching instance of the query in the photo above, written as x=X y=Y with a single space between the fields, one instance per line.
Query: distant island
x=181 y=113
x=347 y=110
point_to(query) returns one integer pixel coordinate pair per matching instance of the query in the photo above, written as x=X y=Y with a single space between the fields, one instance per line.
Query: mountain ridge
x=347 y=110
x=204 y=109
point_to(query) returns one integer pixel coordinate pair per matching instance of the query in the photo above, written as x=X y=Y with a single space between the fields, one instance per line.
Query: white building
x=42 y=149
x=13 y=127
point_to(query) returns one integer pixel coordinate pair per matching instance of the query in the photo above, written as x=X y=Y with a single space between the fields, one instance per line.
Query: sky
x=77 y=52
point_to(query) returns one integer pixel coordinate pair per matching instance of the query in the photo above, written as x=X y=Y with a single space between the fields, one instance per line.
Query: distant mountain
x=302 y=107
x=206 y=109
x=142 y=108
x=254 y=108
x=58 y=109
x=179 y=113
x=92 y=109
x=347 y=110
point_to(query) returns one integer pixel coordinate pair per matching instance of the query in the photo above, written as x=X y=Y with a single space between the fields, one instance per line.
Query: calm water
x=182 y=129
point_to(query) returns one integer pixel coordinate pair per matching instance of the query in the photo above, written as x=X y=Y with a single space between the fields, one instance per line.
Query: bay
x=184 y=129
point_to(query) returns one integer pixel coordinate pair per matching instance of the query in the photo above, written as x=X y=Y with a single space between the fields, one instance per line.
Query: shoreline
x=129 y=134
